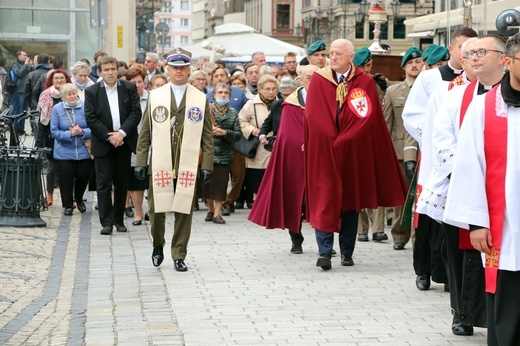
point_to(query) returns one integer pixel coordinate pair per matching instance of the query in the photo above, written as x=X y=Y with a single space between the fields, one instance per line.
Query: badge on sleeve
x=359 y=103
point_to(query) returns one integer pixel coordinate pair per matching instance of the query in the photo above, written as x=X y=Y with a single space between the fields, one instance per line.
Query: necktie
x=341 y=79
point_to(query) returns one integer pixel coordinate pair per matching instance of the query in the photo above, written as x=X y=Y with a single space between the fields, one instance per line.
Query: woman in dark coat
x=226 y=131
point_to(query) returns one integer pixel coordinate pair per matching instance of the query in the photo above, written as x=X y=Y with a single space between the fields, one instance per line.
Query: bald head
x=306 y=75
x=341 y=55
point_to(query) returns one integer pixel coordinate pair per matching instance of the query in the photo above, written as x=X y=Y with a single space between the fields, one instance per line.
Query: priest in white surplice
x=484 y=193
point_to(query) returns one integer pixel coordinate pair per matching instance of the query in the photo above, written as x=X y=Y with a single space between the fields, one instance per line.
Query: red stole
x=495 y=150
x=464 y=240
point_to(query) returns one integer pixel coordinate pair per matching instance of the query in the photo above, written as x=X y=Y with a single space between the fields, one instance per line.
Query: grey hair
x=196 y=73
x=255 y=54
x=306 y=67
x=67 y=88
x=286 y=82
x=153 y=55
x=78 y=66
x=513 y=45
x=265 y=69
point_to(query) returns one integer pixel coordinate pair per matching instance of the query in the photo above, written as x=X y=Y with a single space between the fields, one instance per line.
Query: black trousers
x=503 y=310
x=112 y=169
x=347 y=236
x=467 y=282
x=429 y=250
x=74 y=176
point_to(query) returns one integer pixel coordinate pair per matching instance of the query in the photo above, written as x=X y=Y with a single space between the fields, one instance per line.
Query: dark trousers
x=503 y=310
x=74 y=177
x=347 y=236
x=112 y=169
x=467 y=283
x=18 y=106
x=428 y=250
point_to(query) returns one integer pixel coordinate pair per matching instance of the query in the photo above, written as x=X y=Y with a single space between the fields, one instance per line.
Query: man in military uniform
x=405 y=146
x=178 y=116
x=317 y=54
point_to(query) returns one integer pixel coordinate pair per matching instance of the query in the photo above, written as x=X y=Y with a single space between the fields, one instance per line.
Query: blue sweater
x=65 y=146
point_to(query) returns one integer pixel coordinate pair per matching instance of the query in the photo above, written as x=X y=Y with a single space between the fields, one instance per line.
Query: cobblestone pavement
x=66 y=284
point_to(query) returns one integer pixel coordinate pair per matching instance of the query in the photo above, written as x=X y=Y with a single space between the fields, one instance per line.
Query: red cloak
x=278 y=203
x=354 y=167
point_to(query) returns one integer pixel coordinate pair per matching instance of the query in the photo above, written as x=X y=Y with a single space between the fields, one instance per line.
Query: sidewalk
x=68 y=285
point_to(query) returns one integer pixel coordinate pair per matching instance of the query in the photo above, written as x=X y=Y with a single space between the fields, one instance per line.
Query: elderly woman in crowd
x=226 y=131
x=199 y=79
x=136 y=187
x=238 y=80
x=80 y=72
x=48 y=99
x=157 y=81
x=252 y=116
x=69 y=130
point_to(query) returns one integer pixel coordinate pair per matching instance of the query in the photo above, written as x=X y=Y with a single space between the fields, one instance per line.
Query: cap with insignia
x=439 y=53
x=411 y=53
x=317 y=46
x=428 y=50
x=362 y=56
x=178 y=57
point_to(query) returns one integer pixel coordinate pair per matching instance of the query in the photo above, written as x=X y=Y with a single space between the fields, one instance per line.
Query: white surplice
x=414 y=111
x=467 y=199
x=442 y=131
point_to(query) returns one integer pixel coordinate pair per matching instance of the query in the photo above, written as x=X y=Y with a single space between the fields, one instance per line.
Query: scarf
x=266 y=101
x=253 y=88
x=218 y=109
x=46 y=103
x=80 y=85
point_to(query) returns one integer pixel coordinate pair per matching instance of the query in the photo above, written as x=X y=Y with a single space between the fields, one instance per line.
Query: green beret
x=411 y=53
x=317 y=46
x=362 y=56
x=428 y=50
x=439 y=53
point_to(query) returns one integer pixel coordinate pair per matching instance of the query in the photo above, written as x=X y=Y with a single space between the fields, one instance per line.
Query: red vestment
x=279 y=201
x=350 y=162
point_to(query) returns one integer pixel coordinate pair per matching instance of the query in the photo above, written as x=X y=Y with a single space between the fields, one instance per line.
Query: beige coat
x=248 y=124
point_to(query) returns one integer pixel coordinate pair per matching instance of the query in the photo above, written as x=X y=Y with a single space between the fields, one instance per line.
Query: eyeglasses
x=200 y=79
x=270 y=89
x=480 y=52
x=514 y=58
x=148 y=61
x=58 y=77
x=290 y=62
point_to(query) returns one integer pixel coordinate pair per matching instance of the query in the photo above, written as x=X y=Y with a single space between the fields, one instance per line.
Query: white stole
x=165 y=199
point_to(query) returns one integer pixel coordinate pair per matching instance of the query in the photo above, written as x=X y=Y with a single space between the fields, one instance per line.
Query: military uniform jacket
x=405 y=146
x=144 y=142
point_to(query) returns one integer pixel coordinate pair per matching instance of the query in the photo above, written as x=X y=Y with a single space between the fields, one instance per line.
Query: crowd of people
x=320 y=140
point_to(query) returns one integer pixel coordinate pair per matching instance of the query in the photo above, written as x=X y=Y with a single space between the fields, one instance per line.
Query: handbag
x=248 y=146
x=86 y=142
x=270 y=143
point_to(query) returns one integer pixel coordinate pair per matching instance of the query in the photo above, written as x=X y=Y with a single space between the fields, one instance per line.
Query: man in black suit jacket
x=113 y=112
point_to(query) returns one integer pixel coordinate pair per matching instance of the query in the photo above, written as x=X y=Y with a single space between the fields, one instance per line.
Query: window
x=185 y=40
x=283 y=16
x=307 y=4
x=384 y=31
x=360 y=30
x=185 y=5
x=399 y=27
x=185 y=22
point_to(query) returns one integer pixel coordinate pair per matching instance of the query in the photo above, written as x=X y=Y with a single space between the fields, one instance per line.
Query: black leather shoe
x=180 y=266
x=461 y=329
x=362 y=237
x=239 y=205
x=137 y=222
x=296 y=248
x=389 y=222
x=347 y=261
x=158 y=255
x=379 y=236
x=146 y=217
x=250 y=204
x=209 y=217
x=107 y=230
x=232 y=208
x=81 y=206
x=423 y=282
x=398 y=246
x=68 y=211
x=324 y=262
x=226 y=211
x=333 y=253
x=129 y=212
x=121 y=228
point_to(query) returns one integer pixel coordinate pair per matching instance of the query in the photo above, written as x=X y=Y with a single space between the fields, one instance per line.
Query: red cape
x=355 y=167
x=279 y=201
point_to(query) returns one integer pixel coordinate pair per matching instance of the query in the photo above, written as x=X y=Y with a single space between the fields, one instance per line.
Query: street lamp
x=331 y=17
x=359 y=15
x=298 y=31
x=307 y=25
x=396 y=8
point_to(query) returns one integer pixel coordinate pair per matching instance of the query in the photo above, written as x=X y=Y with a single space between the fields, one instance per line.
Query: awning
x=421 y=34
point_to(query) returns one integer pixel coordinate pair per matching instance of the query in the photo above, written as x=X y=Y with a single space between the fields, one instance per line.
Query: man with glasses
x=289 y=62
x=482 y=192
x=150 y=63
x=483 y=62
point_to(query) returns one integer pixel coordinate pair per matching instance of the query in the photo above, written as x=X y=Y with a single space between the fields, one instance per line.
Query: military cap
x=428 y=50
x=439 y=53
x=317 y=46
x=362 y=56
x=411 y=53
x=178 y=57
